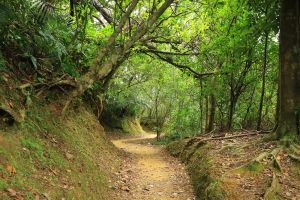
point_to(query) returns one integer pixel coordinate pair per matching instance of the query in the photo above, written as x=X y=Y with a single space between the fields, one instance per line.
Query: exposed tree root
x=42 y=87
x=295 y=149
x=66 y=106
x=270 y=194
x=253 y=164
x=261 y=157
x=60 y=82
x=276 y=163
x=295 y=158
x=201 y=140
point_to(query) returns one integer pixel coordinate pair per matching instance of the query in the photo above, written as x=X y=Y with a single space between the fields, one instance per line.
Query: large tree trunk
x=289 y=83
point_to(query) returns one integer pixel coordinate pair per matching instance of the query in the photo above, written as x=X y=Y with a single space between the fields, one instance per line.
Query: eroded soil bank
x=239 y=168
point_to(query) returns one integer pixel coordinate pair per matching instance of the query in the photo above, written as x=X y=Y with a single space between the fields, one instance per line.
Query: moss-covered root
x=271 y=193
x=256 y=166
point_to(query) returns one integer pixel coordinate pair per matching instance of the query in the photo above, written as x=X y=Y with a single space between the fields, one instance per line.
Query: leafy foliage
x=199 y=68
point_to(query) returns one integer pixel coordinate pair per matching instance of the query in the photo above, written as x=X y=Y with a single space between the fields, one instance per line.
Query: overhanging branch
x=170 y=61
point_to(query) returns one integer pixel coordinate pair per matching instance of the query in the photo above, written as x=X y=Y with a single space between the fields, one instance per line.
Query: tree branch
x=102 y=11
x=171 y=53
x=170 y=60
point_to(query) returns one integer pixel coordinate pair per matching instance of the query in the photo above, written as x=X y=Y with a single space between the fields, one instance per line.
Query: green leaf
x=33 y=61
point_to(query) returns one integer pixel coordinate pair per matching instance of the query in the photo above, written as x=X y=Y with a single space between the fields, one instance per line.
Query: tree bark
x=212 y=102
x=201 y=108
x=110 y=55
x=231 y=112
x=206 y=111
x=277 y=110
x=72 y=8
x=231 y=105
x=211 y=107
x=289 y=80
x=263 y=84
x=245 y=122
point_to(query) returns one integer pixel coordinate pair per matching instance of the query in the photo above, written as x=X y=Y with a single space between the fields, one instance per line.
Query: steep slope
x=48 y=156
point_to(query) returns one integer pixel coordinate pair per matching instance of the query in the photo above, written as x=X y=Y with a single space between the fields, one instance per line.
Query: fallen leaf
x=10 y=103
x=11 y=192
x=125 y=188
x=11 y=170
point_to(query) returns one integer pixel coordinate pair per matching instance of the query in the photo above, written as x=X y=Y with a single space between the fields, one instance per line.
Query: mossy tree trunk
x=289 y=80
x=212 y=102
x=211 y=107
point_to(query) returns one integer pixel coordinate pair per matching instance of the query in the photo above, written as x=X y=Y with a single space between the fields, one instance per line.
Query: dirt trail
x=150 y=173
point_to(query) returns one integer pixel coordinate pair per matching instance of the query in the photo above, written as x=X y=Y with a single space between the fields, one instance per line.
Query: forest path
x=149 y=173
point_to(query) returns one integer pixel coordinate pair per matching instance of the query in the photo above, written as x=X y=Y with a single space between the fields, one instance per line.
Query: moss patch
x=176 y=147
x=254 y=167
x=62 y=157
x=132 y=126
x=199 y=164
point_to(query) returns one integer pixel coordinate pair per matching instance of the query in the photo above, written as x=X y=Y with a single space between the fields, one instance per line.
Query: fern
x=44 y=8
x=57 y=47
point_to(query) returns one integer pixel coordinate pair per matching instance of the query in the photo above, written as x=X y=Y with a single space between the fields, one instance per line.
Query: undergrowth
x=55 y=156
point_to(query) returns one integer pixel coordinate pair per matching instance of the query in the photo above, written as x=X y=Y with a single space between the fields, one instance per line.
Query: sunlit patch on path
x=152 y=174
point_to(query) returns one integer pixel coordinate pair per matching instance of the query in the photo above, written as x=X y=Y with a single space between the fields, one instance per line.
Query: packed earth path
x=149 y=173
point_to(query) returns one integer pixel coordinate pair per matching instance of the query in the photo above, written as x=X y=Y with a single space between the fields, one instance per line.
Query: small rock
x=114 y=187
x=125 y=188
x=174 y=195
x=69 y=156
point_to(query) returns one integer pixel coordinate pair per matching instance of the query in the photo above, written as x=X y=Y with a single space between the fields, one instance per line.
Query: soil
x=150 y=173
x=243 y=167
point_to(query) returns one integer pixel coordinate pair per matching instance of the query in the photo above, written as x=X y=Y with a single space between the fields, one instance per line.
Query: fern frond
x=43 y=8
